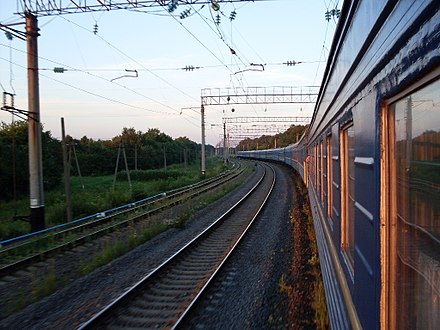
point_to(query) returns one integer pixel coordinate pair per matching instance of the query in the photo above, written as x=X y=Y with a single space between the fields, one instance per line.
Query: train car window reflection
x=348 y=193
x=416 y=255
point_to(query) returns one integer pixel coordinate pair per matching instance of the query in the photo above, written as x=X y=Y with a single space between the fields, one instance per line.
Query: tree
x=15 y=160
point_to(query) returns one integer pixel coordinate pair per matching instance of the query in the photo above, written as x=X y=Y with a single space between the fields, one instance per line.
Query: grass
x=319 y=300
x=40 y=288
x=120 y=247
x=98 y=195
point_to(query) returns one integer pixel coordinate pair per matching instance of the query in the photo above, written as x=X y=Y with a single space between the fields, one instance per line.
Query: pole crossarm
x=247 y=120
x=259 y=95
x=8 y=105
x=58 y=7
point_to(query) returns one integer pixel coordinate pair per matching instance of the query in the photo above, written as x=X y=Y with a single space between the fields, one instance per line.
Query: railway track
x=164 y=297
x=18 y=255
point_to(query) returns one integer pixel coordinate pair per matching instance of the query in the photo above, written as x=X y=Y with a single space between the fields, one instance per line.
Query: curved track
x=164 y=297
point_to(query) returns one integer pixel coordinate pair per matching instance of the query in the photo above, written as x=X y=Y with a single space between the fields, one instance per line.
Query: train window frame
x=329 y=177
x=389 y=237
x=347 y=224
x=318 y=168
x=321 y=165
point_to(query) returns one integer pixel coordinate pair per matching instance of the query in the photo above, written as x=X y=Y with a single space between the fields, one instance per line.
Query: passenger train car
x=371 y=161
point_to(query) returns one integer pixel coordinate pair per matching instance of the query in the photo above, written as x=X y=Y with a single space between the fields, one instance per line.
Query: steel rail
x=110 y=213
x=188 y=250
x=181 y=196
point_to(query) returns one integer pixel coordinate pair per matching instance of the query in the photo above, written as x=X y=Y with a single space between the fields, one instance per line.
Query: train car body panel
x=383 y=66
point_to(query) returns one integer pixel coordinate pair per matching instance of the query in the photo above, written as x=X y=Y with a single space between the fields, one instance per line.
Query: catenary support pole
x=34 y=128
x=225 y=156
x=203 y=164
x=66 y=166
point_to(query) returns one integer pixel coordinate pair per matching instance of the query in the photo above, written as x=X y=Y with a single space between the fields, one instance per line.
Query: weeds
x=120 y=247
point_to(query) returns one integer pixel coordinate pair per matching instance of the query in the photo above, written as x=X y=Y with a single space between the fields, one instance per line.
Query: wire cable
x=132 y=59
x=95 y=94
x=99 y=77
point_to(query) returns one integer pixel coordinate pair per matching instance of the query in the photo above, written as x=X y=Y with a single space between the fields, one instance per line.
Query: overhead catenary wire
x=102 y=78
x=132 y=59
x=95 y=94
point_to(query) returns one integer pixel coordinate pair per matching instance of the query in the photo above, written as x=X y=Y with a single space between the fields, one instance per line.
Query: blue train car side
x=371 y=161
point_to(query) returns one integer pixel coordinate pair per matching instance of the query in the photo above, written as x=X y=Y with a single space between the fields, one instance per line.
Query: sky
x=97 y=99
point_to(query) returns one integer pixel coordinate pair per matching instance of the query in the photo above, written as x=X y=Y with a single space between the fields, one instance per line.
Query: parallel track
x=164 y=297
x=68 y=238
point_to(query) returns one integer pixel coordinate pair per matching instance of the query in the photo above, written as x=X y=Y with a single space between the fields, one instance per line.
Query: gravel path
x=75 y=303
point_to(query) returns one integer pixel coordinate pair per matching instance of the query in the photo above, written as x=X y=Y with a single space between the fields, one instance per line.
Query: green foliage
x=98 y=195
x=291 y=135
x=13 y=228
x=150 y=175
x=144 y=151
x=14 y=154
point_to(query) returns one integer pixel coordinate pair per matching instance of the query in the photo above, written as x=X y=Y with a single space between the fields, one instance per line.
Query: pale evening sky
x=159 y=45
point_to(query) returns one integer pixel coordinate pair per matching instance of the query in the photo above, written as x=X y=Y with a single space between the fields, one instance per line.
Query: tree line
x=280 y=140
x=143 y=150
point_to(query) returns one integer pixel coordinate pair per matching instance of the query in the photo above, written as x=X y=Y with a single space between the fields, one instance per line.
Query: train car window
x=413 y=254
x=319 y=169
x=321 y=166
x=329 y=178
x=315 y=163
x=347 y=196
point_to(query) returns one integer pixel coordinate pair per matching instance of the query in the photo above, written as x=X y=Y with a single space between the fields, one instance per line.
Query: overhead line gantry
x=254 y=95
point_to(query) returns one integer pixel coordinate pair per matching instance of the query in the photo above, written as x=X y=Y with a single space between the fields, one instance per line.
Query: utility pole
x=203 y=164
x=66 y=165
x=34 y=128
x=225 y=156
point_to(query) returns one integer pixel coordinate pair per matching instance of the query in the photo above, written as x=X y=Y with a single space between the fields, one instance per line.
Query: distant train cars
x=371 y=161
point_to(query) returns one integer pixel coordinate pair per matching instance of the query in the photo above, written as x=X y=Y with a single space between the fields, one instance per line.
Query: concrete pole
x=203 y=164
x=66 y=166
x=34 y=128
x=225 y=156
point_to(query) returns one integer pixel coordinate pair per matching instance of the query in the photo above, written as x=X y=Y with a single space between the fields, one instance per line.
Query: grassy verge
x=302 y=216
x=120 y=247
x=98 y=195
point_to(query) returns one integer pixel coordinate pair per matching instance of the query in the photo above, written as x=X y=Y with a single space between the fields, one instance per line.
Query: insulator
x=185 y=13
x=95 y=28
x=232 y=15
x=8 y=35
x=58 y=70
x=218 y=19
x=172 y=6
x=290 y=63
x=327 y=16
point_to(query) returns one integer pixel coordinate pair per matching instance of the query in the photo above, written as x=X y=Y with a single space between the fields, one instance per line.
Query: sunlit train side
x=371 y=161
